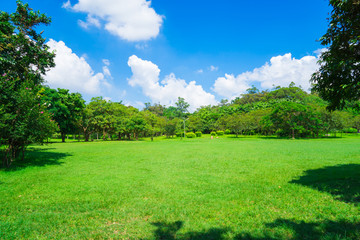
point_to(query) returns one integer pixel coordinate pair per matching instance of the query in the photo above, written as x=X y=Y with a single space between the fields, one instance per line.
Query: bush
x=350 y=130
x=56 y=136
x=190 y=135
x=213 y=133
x=198 y=134
x=220 y=133
x=180 y=134
x=227 y=131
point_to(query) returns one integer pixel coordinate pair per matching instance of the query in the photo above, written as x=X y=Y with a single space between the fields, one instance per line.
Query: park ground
x=225 y=188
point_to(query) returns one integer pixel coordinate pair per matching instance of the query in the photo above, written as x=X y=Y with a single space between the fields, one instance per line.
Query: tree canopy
x=338 y=78
x=24 y=58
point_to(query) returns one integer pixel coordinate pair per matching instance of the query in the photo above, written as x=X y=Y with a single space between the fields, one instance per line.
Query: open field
x=227 y=188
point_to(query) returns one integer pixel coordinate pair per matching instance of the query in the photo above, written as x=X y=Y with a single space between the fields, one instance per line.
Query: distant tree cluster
x=284 y=111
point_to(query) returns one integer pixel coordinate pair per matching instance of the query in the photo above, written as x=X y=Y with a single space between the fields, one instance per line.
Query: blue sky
x=138 y=51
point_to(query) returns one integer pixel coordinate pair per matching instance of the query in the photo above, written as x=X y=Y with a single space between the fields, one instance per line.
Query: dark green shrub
x=198 y=134
x=213 y=133
x=180 y=134
x=190 y=135
x=220 y=133
x=227 y=131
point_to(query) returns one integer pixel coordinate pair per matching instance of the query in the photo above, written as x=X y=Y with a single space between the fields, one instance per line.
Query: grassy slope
x=246 y=188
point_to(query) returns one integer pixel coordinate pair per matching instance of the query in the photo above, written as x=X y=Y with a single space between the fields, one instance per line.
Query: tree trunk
x=86 y=135
x=293 y=133
x=63 y=137
x=104 y=135
x=23 y=154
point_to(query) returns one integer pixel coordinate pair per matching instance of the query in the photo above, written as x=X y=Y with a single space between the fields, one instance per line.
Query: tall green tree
x=104 y=119
x=153 y=122
x=291 y=118
x=182 y=107
x=338 y=78
x=66 y=108
x=235 y=123
x=85 y=123
x=24 y=58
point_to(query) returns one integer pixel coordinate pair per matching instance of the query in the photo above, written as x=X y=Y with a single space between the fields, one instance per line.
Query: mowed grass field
x=226 y=188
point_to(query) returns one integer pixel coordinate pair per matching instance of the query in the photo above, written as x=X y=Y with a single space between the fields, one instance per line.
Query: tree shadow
x=342 y=229
x=341 y=181
x=37 y=157
x=279 y=229
x=169 y=231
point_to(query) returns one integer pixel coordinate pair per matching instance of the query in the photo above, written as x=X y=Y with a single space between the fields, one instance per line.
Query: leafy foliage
x=24 y=57
x=190 y=135
x=65 y=107
x=337 y=80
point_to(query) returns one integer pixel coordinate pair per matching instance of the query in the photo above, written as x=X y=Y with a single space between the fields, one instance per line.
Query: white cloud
x=135 y=104
x=106 y=71
x=213 y=68
x=106 y=62
x=320 y=51
x=141 y=46
x=200 y=71
x=132 y=20
x=146 y=75
x=231 y=86
x=73 y=72
x=66 y=4
x=281 y=71
x=90 y=21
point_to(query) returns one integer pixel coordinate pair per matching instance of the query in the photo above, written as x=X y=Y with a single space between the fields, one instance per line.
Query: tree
x=152 y=121
x=170 y=127
x=182 y=107
x=136 y=124
x=24 y=58
x=66 y=108
x=170 y=112
x=289 y=118
x=356 y=122
x=235 y=124
x=103 y=118
x=158 y=109
x=337 y=79
x=85 y=122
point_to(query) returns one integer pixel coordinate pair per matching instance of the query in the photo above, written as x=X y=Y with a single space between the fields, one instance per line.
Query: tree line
x=284 y=111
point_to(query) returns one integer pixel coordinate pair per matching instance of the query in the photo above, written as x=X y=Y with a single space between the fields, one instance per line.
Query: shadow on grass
x=279 y=229
x=169 y=231
x=37 y=157
x=341 y=181
x=342 y=229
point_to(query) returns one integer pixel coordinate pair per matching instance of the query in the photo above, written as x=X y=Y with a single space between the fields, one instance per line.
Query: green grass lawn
x=226 y=188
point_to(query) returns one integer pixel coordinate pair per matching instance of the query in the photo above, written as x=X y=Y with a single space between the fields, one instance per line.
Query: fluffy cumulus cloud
x=73 y=72
x=280 y=71
x=146 y=75
x=132 y=20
